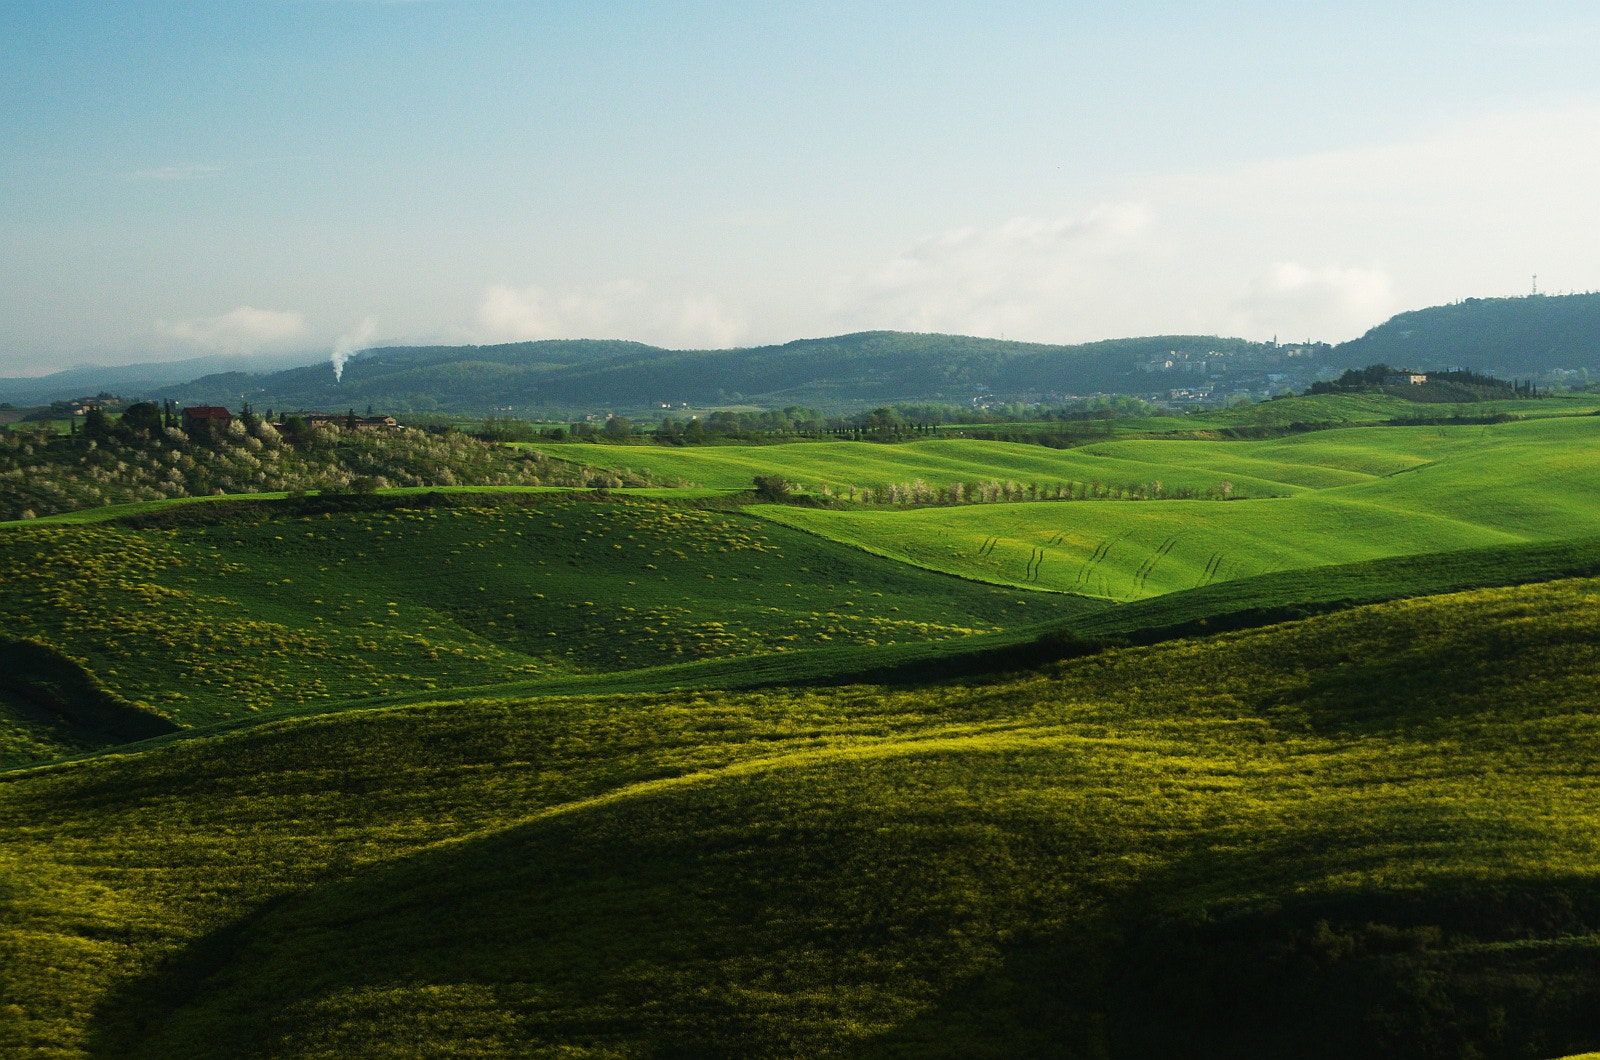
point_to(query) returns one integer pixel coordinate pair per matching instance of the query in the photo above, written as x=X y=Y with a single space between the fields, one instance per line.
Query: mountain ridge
x=1540 y=335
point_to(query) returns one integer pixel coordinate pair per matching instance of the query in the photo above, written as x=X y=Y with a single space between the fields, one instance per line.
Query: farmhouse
x=1405 y=379
x=206 y=418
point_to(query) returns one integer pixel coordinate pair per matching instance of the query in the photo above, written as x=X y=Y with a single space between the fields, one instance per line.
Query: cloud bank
x=242 y=330
x=620 y=310
x=1029 y=277
x=1322 y=302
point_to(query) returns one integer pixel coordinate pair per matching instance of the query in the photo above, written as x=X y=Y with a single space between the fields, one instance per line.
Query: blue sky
x=270 y=177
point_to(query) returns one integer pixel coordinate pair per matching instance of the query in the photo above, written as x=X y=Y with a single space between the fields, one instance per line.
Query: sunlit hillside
x=1361 y=834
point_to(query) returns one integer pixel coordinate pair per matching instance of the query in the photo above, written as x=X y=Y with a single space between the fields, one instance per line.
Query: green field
x=213 y=611
x=1310 y=773
x=939 y=462
x=1354 y=409
x=1314 y=460
x=1362 y=834
x=1345 y=496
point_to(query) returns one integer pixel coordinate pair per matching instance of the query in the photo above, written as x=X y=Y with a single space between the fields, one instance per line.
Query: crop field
x=211 y=613
x=938 y=462
x=1287 y=466
x=1357 y=409
x=1362 y=834
x=1273 y=467
x=1385 y=492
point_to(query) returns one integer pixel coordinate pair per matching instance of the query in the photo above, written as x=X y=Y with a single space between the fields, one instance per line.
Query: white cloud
x=1472 y=210
x=1320 y=246
x=1029 y=276
x=1298 y=302
x=242 y=330
x=624 y=309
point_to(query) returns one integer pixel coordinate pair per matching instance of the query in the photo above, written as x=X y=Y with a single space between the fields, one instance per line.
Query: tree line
x=1060 y=424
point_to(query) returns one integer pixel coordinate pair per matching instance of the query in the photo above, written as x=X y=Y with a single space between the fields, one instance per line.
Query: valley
x=1071 y=766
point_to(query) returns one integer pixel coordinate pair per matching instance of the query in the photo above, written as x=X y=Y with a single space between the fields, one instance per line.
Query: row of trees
x=919 y=493
x=889 y=423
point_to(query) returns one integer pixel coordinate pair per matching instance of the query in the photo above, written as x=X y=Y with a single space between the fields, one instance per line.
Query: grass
x=539 y=773
x=1355 y=409
x=1370 y=833
x=1349 y=496
x=939 y=462
x=208 y=612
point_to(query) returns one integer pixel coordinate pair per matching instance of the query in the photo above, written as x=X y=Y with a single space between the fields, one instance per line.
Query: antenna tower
x=1536 y=283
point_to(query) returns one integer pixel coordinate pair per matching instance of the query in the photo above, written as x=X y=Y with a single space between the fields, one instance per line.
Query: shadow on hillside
x=51 y=689
x=722 y=919
x=1509 y=971
x=1469 y=672
x=715 y=922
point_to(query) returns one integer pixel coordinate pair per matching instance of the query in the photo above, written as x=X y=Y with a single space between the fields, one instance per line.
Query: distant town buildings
x=348 y=421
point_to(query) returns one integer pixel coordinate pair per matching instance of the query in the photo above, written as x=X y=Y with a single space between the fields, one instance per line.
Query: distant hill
x=1508 y=337
x=868 y=367
x=86 y=380
x=1502 y=336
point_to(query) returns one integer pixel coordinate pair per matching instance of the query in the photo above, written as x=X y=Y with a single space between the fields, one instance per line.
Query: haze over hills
x=90 y=379
x=863 y=368
x=1531 y=336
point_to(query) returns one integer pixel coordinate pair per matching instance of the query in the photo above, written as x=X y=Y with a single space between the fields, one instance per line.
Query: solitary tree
x=772 y=488
x=142 y=417
x=97 y=425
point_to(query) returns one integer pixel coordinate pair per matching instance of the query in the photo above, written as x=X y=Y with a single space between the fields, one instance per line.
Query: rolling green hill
x=212 y=611
x=1335 y=496
x=1371 y=833
x=534 y=772
x=202 y=613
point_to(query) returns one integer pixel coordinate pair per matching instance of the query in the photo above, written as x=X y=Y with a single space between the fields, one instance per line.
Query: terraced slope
x=1362 y=834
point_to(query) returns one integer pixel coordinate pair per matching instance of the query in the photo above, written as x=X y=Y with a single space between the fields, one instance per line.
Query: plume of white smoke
x=349 y=343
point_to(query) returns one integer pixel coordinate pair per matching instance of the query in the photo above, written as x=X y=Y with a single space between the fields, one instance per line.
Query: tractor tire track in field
x=1035 y=561
x=1213 y=568
x=1088 y=571
x=1142 y=575
x=987 y=547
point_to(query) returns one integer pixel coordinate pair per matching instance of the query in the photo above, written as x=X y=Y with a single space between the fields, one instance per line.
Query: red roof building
x=206 y=417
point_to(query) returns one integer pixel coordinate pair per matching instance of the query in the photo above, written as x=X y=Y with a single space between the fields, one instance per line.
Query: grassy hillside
x=210 y=611
x=221 y=610
x=1354 y=410
x=1371 y=833
x=1341 y=496
x=1267 y=467
x=843 y=465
